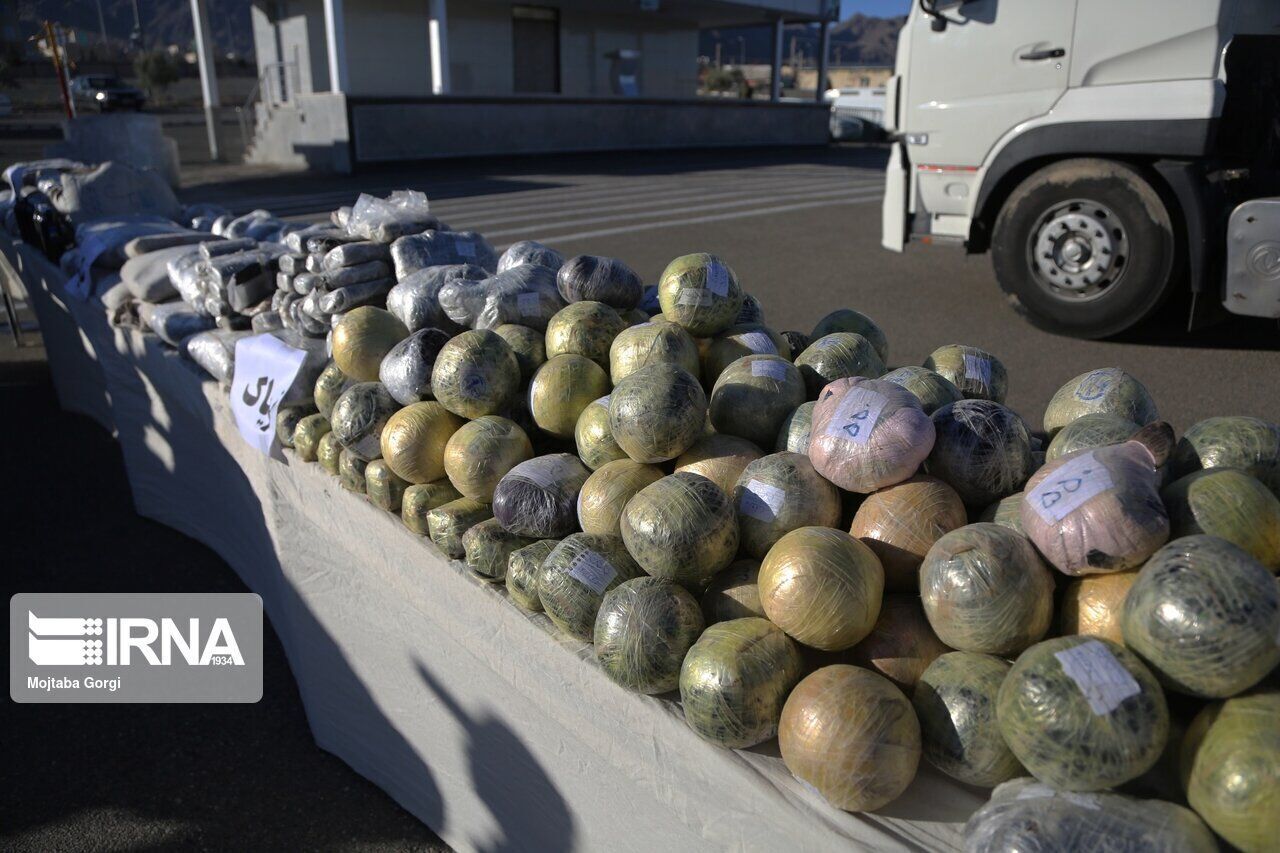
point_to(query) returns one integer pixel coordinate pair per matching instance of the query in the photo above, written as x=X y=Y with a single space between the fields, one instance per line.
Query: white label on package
x=528 y=304
x=466 y=249
x=770 y=369
x=761 y=500
x=856 y=415
x=1100 y=677
x=758 y=342
x=545 y=472
x=977 y=367
x=1067 y=488
x=692 y=297
x=604 y=401
x=717 y=279
x=592 y=571
x=265 y=368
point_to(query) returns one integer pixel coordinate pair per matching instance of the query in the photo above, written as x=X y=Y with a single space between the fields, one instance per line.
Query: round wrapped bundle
x=530 y=252
x=359 y=417
x=539 y=497
x=644 y=629
x=1099 y=510
x=754 y=395
x=985 y=589
x=701 y=293
x=1006 y=512
x=932 y=390
x=529 y=346
x=488 y=547
x=384 y=488
x=733 y=593
x=633 y=317
x=590 y=278
x=901 y=644
x=739 y=342
x=1093 y=605
x=822 y=587
x=1226 y=503
x=1026 y=815
x=584 y=328
x=848 y=320
x=481 y=453
x=561 y=389
x=327 y=451
x=351 y=472
x=955 y=701
x=720 y=458
x=307 y=435
x=406 y=370
x=852 y=735
x=982 y=450
x=681 y=528
x=752 y=311
x=476 y=374
x=575 y=577
x=868 y=434
x=289 y=416
x=414 y=440
x=415 y=300
x=779 y=493
x=1250 y=444
x=735 y=679
x=329 y=387
x=606 y=492
x=1108 y=391
x=419 y=499
x=593 y=437
x=524 y=568
x=798 y=342
x=1082 y=713
x=837 y=356
x=1232 y=765
x=793 y=435
x=652 y=342
x=901 y=523
x=977 y=374
x=448 y=522
x=657 y=413
x=1089 y=431
x=362 y=339
x=1205 y=615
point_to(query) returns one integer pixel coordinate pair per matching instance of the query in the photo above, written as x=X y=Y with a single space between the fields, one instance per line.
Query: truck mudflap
x=893 y=208
x=1253 y=259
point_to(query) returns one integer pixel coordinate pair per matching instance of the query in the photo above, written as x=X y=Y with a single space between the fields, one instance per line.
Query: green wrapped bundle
x=701 y=293
x=307 y=435
x=476 y=374
x=720 y=458
x=981 y=449
x=351 y=472
x=586 y=329
x=901 y=644
x=735 y=679
x=488 y=547
x=328 y=450
x=793 y=435
x=288 y=416
x=448 y=522
x=1250 y=444
x=562 y=388
x=738 y=342
x=1107 y=391
x=415 y=438
x=978 y=374
x=932 y=389
x=481 y=453
x=752 y=311
x=848 y=320
x=644 y=629
x=652 y=342
x=1205 y=615
x=1006 y=512
x=575 y=577
x=657 y=413
x=420 y=499
x=384 y=488
x=362 y=339
x=1229 y=504
x=733 y=593
x=528 y=345
x=955 y=700
x=329 y=387
x=1089 y=431
x=594 y=438
x=754 y=395
x=524 y=568
x=606 y=492
x=836 y=356
x=1082 y=713
x=681 y=528
x=359 y=417
x=779 y=493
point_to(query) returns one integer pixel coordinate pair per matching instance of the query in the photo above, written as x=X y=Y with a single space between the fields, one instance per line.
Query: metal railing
x=276 y=85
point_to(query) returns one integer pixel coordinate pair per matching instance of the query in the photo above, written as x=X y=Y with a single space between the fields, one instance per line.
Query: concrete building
x=345 y=82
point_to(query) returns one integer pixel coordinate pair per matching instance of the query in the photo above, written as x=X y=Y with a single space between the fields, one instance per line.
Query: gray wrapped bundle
x=290 y=265
x=539 y=497
x=955 y=701
x=754 y=395
x=406 y=369
x=932 y=390
x=779 y=493
x=733 y=593
x=296 y=241
x=738 y=342
x=383 y=220
x=584 y=328
x=590 y=278
x=475 y=374
x=448 y=523
x=1108 y=391
x=530 y=252
x=649 y=343
x=977 y=373
x=185 y=278
x=266 y=321
x=793 y=435
x=173 y=321
x=525 y=294
x=524 y=569
x=215 y=248
x=1088 y=431
x=701 y=293
x=798 y=342
x=529 y=346
x=752 y=311
x=837 y=356
x=657 y=413
x=359 y=416
x=488 y=547
x=868 y=434
x=215 y=351
x=575 y=577
x=356 y=254
x=981 y=449
x=147 y=276
x=415 y=301
x=345 y=297
x=682 y=528
x=1250 y=444
x=643 y=630
x=437 y=248
x=848 y=320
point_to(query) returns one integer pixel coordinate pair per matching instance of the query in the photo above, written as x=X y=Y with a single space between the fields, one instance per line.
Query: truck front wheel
x=1084 y=247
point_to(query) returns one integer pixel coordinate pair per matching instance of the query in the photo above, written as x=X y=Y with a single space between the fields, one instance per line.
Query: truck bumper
x=893 y=209
x=1253 y=259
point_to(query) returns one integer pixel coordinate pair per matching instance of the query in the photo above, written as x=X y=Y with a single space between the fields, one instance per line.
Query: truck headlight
x=101 y=96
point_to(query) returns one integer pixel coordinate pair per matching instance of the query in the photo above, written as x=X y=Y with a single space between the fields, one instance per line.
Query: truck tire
x=1084 y=247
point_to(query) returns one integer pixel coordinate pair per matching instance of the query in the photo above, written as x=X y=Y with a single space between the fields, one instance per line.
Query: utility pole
x=136 y=35
x=51 y=39
x=102 y=23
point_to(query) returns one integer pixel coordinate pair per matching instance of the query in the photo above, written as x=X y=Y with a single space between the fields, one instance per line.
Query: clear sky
x=880 y=8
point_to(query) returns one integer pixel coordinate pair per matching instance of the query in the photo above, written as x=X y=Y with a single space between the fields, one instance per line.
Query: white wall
x=388 y=47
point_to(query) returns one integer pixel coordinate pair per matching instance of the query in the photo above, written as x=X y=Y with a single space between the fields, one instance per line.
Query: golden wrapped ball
x=657 y=413
x=733 y=593
x=848 y=320
x=586 y=329
x=561 y=389
x=414 y=441
x=720 y=458
x=594 y=438
x=738 y=342
x=902 y=644
x=657 y=341
x=529 y=346
x=481 y=452
x=362 y=338
x=682 y=528
x=701 y=293
x=753 y=397
x=606 y=492
x=476 y=374
x=1094 y=605
x=328 y=449
x=779 y=493
x=307 y=435
x=977 y=373
x=900 y=523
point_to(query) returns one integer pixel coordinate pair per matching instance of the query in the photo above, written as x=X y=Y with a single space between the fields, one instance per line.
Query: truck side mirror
x=936 y=9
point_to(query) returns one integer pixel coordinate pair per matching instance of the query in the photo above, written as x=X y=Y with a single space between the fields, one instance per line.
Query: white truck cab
x=1108 y=154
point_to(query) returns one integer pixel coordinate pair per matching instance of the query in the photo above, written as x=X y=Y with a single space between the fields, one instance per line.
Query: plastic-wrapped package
x=779 y=493
x=415 y=301
x=701 y=293
x=1082 y=713
x=978 y=374
x=307 y=434
x=900 y=523
x=1230 y=764
x=351 y=472
x=634 y=316
x=868 y=434
x=793 y=435
x=448 y=523
x=848 y=320
x=561 y=389
x=1089 y=431
x=406 y=368
x=384 y=220
x=184 y=277
x=901 y=644
x=266 y=321
x=1026 y=816
x=329 y=452
x=173 y=321
x=215 y=351
x=735 y=679
x=753 y=396
x=589 y=278
x=529 y=346
x=738 y=342
x=363 y=338
x=733 y=593
x=1229 y=504
x=359 y=417
x=1250 y=444
x=440 y=248
x=657 y=413
x=1099 y=510
x=481 y=453
x=288 y=416
x=1205 y=615
x=1006 y=512
x=210 y=249
x=524 y=568
x=606 y=492
x=488 y=547
x=837 y=356
x=594 y=438
x=356 y=254
x=852 y=735
x=330 y=385
x=1107 y=391
x=981 y=449
x=147 y=276
x=985 y=589
x=955 y=702
x=530 y=252
x=643 y=630
x=584 y=328
x=462 y=300
x=682 y=528
x=647 y=343
x=797 y=342
x=414 y=438
x=418 y=501
x=539 y=497
x=720 y=458
x=932 y=389
x=530 y=304
x=348 y=297
x=476 y=374
x=1093 y=605
x=577 y=575
x=384 y=488
x=752 y=311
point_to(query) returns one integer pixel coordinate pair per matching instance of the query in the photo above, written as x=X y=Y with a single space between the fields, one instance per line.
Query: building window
x=535 y=36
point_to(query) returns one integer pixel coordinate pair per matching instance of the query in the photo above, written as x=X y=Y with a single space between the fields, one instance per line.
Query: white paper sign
x=977 y=367
x=856 y=415
x=717 y=279
x=693 y=297
x=769 y=368
x=466 y=249
x=528 y=304
x=265 y=368
x=1067 y=488
x=1100 y=677
x=758 y=342
x=592 y=571
x=762 y=501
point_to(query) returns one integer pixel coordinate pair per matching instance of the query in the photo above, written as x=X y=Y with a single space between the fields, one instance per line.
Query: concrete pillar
x=335 y=32
x=775 y=84
x=439 y=34
x=824 y=51
x=208 y=73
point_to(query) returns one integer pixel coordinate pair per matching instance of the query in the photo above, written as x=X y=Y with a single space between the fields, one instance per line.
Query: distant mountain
x=860 y=40
x=164 y=22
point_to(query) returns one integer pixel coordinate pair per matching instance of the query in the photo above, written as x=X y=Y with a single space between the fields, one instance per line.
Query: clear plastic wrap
x=406 y=368
x=779 y=493
x=681 y=528
x=384 y=488
x=848 y=320
x=652 y=342
x=932 y=389
x=476 y=374
x=798 y=342
x=330 y=385
x=215 y=351
x=737 y=342
x=524 y=568
x=852 y=735
x=1250 y=444
x=868 y=434
x=594 y=438
x=1107 y=391
x=440 y=248
x=733 y=593
x=530 y=252
x=363 y=338
x=560 y=391
x=529 y=346
x=488 y=547
x=981 y=449
x=287 y=417
x=1205 y=615
x=357 y=254
x=657 y=413
x=606 y=492
x=837 y=356
x=1092 y=605
x=752 y=311
x=1229 y=504
x=577 y=575
x=414 y=439
x=1089 y=431
x=539 y=497
x=753 y=396
x=1006 y=512
x=351 y=472
x=347 y=297
x=526 y=295
x=383 y=220
x=328 y=452
x=901 y=644
x=415 y=301
x=643 y=630
x=978 y=374
x=701 y=293
x=720 y=458
x=900 y=523
x=359 y=417
x=793 y=435
x=420 y=498
x=955 y=702
x=307 y=434
x=448 y=523
x=174 y=321
x=1082 y=713
x=590 y=278
x=481 y=452
x=584 y=328
x=735 y=679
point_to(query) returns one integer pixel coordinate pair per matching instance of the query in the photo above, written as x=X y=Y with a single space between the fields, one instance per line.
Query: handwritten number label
x=856 y=415
x=1067 y=488
x=264 y=371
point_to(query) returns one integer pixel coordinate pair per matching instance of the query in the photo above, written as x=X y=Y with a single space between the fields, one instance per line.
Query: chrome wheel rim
x=1078 y=250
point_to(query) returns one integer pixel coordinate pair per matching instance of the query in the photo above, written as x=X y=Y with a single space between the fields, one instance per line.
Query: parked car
x=106 y=92
x=857 y=115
